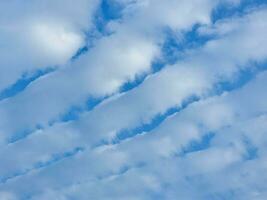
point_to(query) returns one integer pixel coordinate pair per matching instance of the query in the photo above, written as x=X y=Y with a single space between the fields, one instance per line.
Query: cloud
x=121 y=51
x=39 y=35
x=194 y=129
x=195 y=170
x=7 y=196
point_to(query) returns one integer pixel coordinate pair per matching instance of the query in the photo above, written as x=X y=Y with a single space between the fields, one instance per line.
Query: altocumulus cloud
x=133 y=99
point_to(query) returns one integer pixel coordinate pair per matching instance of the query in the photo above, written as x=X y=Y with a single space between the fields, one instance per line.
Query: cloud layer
x=133 y=99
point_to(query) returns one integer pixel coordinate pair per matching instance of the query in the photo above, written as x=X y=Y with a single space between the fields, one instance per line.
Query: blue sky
x=133 y=99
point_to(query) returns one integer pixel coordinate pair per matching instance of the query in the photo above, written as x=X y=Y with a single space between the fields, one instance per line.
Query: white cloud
x=113 y=61
x=197 y=169
x=169 y=161
x=36 y=35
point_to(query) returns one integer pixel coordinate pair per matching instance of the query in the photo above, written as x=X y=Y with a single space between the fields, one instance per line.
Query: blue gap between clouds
x=54 y=158
x=174 y=46
x=242 y=79
x=75 y=111
x=197 y=145
x=224 y=10
x=243 y=76
x=177 y=43
x=157 y=65
x=23 y=82
x=155 y=122
x=107 y=11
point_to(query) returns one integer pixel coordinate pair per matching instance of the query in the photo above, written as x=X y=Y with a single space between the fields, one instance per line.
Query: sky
x=133 y=100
